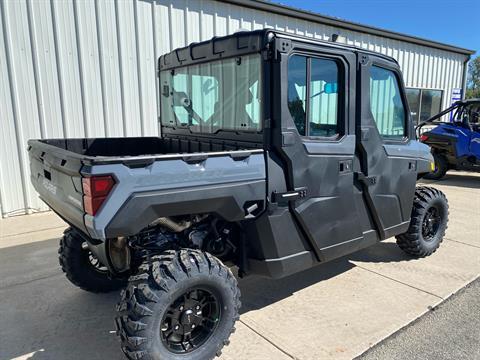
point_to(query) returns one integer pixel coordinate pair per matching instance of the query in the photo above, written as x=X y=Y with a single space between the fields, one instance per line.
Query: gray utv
x=277 y=153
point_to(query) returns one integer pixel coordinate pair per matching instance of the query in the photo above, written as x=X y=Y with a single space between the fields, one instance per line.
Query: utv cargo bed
x=182 y=173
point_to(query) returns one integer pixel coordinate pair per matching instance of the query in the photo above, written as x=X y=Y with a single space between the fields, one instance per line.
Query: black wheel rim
x=190 y=321
x=431 y=223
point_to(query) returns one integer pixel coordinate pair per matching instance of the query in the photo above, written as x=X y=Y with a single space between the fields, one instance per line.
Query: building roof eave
x=343 y=24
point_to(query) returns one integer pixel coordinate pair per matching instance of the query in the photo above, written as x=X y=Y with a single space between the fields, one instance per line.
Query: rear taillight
x=423 y=138
x=95 y=191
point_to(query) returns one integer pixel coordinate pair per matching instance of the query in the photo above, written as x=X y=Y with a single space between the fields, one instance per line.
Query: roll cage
x=459 y=110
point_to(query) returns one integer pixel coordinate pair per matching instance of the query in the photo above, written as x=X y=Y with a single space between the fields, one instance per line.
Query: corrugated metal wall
x=87 y=68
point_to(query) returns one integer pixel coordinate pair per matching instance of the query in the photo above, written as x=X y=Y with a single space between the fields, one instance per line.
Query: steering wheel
x=475 y=117
x=475 y=121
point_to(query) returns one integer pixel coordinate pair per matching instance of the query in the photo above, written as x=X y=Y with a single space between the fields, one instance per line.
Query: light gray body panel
x=173 y=186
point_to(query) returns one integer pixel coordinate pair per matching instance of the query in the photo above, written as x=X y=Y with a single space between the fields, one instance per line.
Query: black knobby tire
x=441 y=167
x=79 y=268
x=428 y=223
x=161 y=282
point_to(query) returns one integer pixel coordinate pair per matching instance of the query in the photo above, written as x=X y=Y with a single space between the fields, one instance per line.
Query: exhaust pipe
x=171 y=224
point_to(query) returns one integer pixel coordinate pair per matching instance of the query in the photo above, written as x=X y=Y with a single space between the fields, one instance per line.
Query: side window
x=386 y=103
x=313 y=102
x=323 y=98
x=297 y=91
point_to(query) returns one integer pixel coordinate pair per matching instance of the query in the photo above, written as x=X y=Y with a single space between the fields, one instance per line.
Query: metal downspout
x=464 y=77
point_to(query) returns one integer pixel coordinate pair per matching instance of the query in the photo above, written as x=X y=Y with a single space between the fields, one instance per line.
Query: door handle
x=285 y=197
x=345 y=166
x=366 y=180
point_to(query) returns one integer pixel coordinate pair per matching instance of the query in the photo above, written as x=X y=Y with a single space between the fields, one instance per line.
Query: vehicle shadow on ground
x=383 y=252
x=456 y=179
x=258 y=292
x=45 y=317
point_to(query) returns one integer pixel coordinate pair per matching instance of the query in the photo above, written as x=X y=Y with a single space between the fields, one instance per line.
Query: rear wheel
x=181 y=305
x=441 y=167
x=428 y=223
x=82 y=268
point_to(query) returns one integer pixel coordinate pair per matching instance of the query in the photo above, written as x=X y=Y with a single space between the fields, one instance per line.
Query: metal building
x=87 y=68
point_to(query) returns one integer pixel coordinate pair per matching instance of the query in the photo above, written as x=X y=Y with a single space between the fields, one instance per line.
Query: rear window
x=220 y=95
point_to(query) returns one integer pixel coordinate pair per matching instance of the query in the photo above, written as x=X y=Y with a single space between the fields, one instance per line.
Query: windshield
x=219 y=95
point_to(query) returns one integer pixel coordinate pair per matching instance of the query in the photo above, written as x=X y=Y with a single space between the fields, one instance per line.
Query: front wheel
x=441 y=167
x=428 y=223
x=180 y=305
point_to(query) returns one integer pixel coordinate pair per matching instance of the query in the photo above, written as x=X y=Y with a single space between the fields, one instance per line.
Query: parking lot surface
x=451 y=331
x=335 y=311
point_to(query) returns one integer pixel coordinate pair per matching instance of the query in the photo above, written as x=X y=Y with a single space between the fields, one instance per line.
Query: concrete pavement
x=451 y=331
x=335 y=311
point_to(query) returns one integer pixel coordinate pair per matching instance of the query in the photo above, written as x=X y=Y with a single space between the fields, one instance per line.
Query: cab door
x=386 y=145
x=316 y=140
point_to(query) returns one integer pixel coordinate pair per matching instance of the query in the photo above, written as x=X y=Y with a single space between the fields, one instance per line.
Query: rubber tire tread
x=74 y=263
x=412 y=240
x=155 y=280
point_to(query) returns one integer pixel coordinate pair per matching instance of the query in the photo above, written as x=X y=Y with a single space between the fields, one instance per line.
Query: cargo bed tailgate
x=55 y=175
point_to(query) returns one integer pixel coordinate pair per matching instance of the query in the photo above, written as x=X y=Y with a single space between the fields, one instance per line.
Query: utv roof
x=242 y=43
x=468 y=101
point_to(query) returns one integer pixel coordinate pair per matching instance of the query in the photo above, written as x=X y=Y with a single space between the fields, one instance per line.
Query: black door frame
x=291 y=147
x=373 y=149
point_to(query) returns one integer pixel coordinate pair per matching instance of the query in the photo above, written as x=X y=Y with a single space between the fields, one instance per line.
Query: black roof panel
x=242 y=43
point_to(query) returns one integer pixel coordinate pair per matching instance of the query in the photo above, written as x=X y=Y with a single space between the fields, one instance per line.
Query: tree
x=473 y=88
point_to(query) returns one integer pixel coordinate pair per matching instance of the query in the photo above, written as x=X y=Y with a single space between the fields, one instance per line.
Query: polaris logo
x=49 y=186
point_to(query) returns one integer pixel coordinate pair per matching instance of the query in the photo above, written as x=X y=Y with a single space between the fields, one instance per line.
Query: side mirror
x=330 y=88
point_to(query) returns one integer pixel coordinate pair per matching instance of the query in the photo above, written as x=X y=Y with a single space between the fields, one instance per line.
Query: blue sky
x=453 y=22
